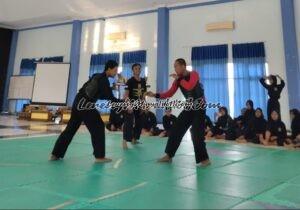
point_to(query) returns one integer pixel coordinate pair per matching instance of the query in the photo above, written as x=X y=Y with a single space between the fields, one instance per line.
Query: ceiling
x=27 y=13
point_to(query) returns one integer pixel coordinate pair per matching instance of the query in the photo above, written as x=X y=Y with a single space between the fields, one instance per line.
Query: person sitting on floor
x=295 y=126
x=276 y=133
x=239 y=125
x=249 y=113
x=168 y=121
x=223 y=126
x=256 y=129
x=149 y=123
x=116 y=121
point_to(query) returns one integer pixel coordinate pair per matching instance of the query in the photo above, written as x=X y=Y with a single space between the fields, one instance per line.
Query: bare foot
x=124 y=145
x=103 y=160
x=165 y=159
x=204 y=163
x=289 y=146
x=53 y=158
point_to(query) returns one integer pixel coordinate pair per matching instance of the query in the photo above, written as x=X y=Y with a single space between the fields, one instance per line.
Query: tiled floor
x=241 y=176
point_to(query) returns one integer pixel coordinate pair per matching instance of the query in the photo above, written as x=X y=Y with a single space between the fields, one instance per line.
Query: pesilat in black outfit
x=148 y=120
x=249 y=114
x=224 y=125
x=295 y=126
x=97 y=87
x=257 y=126
x=247 y=118
x=277 y=129
x=274 y=92
x=132 y=125
x=116 y=119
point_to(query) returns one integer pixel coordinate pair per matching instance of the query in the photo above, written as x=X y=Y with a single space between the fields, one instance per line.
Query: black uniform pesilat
x=133 y=123
x=97 y=87
x=274 y=92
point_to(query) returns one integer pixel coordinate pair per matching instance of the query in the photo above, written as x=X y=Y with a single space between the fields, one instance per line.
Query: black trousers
x=273 y=104
x=196 y=119
x=93 y=122
x=132 y=127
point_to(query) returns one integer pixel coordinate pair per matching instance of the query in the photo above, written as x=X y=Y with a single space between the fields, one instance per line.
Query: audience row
x=250 y=127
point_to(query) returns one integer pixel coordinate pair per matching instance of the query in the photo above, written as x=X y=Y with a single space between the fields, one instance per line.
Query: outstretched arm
x=169 y=93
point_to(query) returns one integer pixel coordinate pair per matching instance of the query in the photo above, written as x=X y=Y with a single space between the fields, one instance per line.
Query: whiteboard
x=51 y=83
x=20 y=87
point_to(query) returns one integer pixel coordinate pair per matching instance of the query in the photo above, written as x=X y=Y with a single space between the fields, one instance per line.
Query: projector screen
x=51 y=83
x=20 y=87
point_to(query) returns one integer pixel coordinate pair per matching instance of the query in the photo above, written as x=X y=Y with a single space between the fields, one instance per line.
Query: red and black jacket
x=189 y=85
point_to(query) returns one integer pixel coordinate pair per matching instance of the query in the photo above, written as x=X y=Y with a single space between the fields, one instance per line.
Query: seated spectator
x=116 y=121
x=239 y=125
x=249 y=113
x=276 y=133
x=149 y=124
x=256 y=128
x=168 y=121
x=223 y=128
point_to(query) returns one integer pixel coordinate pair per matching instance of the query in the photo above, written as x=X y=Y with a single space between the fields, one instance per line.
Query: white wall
x=43 y=42
x=141 y=35
x=256 y=21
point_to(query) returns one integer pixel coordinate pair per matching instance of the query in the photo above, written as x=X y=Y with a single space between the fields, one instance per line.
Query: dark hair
x=181 y=61
x=224 y=109
x=275 y=110
x=261 y=111
x=295 y=112
x=110 y=65
x=274 y=78
x=135 y=65
x=250 y=102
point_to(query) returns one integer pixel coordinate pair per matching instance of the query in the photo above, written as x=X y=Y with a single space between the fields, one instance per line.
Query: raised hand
x=279 y=77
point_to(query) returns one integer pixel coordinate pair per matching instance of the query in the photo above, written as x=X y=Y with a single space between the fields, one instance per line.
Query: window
x=249 y=65
x=211 y=63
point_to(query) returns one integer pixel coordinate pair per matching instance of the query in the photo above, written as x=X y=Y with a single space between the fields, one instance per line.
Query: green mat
x=241 y=176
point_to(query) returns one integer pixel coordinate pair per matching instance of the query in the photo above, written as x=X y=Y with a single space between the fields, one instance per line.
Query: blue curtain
x=211 y=63
x=97 y=65
x=130 y=58
x=27 y=68
x=98 y=61
x=249 y=66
